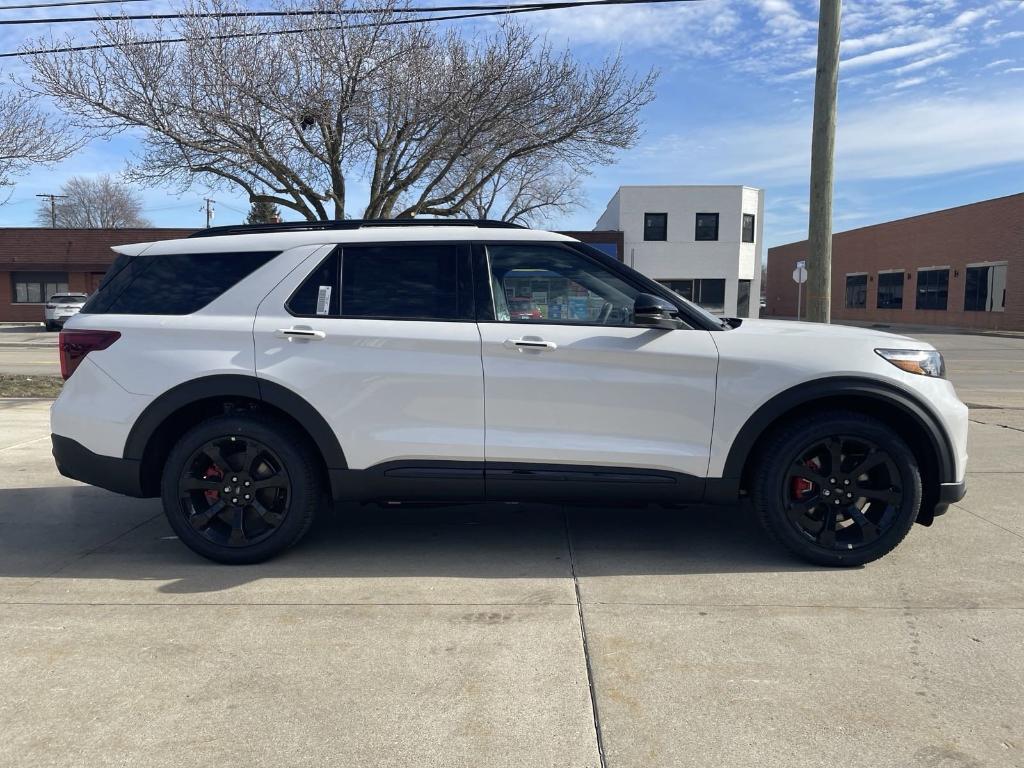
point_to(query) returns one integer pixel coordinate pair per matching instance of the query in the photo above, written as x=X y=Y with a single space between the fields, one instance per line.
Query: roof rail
x=304 y=226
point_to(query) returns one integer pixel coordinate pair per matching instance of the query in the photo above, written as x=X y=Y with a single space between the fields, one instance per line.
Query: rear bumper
x=949 y=493
x=76 y=461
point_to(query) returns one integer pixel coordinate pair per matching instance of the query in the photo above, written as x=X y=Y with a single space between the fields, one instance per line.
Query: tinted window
x=856 y=291
x=932 y=288
x=890 y=290
x=707 y=226
x=748 y=227
x=319 y=294
x=547 y=284
x=176 y=284
x=655 y=226
x=37 y=287
x=424 y=282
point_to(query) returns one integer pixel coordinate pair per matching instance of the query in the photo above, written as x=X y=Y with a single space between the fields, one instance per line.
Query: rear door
x=571 y=381
x=381 y=340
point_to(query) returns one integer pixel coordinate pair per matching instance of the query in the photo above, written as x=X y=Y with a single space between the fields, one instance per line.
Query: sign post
x=799 y=277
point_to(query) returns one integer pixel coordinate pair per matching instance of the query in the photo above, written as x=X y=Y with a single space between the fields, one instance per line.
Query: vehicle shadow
x=82 y=533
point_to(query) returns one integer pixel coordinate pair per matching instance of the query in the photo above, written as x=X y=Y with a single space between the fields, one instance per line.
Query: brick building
x=36 y=263
x=960 y=267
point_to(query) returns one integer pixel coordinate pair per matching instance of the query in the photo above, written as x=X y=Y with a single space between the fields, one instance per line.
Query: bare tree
x=530 y=192
x=93 y=203
x=29 y=136
x=428 y=118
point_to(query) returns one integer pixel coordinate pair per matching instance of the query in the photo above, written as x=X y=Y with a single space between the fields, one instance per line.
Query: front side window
x=748 y=227
x=856 y=291
x=37 y=287
x=388 y=282
x=707 y=226
x=655 y=226
x=890 y=290
x=549 y=284
x=932 y=288
x=985 y=288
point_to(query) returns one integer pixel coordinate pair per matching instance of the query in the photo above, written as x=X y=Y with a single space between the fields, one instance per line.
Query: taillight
x=76 y=344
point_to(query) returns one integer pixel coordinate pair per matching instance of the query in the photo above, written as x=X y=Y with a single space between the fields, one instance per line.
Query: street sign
x=799 y=277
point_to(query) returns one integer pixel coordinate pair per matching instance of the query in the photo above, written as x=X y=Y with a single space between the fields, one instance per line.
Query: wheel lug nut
x=235 y=501
x=247 y=497
x=227 y=489
x=832 y=480
x=846 y=482
x=234 y=479
x=837 y=501
x=247 y=483
x=826 y=492
x=849 y=495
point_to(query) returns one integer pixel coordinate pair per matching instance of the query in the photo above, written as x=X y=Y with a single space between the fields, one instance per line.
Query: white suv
x=61 y=307
x=249 y=375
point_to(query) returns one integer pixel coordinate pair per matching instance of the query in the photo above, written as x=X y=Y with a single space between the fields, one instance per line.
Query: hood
x=793 y=330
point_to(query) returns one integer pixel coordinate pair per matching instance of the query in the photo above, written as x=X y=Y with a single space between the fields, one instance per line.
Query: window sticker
x=323 y=300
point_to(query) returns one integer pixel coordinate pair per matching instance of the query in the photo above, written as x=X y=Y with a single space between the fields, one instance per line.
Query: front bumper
x=76 y=461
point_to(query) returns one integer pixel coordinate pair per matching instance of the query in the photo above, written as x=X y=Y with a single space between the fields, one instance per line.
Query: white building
x=704 y=242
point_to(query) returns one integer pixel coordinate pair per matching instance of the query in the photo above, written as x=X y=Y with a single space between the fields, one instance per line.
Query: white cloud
x=909 y=82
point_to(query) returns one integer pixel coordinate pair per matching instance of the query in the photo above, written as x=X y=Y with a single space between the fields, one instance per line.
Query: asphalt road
x=452 y=637
x=28 y=350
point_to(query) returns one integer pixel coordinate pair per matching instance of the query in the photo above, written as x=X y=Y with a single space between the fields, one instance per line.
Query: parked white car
x=60 y=307
x=247 y=375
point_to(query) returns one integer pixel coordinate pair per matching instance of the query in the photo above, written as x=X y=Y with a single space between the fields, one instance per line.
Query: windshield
x=699 y=310
x=68 y=298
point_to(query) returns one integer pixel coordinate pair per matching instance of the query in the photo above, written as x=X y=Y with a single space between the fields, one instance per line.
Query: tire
x=871 y=500
x=204 y=488
x=51 y=326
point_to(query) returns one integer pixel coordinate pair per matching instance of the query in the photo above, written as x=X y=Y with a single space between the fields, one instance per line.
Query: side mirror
x=655 y=312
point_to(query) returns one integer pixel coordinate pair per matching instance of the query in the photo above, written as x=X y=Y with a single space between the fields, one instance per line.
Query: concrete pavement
x=452 y=637
x=28 y=349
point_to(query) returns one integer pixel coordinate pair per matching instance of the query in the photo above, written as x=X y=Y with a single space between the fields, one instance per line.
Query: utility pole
x=53 y=208
x=823 y=145
x=209 y=210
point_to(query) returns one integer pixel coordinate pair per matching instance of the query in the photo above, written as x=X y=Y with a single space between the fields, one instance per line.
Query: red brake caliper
x=801 y=487
x=213 y=473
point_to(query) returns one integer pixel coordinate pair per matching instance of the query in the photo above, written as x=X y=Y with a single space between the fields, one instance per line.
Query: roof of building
x=33 y=247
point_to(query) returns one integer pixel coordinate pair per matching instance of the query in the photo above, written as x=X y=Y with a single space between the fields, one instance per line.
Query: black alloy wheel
x=836 y=487
x=241 y=489
x=842 y=492
x=234 y=491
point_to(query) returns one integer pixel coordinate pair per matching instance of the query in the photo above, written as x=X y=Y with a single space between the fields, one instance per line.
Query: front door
x=571 y=381
x=382 y=341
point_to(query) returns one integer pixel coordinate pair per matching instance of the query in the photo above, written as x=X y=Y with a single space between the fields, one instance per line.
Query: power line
x=271 y=14
x=505 y=10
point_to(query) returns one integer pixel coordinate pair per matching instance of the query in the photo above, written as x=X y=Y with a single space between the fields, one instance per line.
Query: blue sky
x=931 y=109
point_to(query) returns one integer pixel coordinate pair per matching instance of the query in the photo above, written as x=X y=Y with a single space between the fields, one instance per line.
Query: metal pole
x=208 y=202
x=823 y=143
x=53 y=208
x=799 y=294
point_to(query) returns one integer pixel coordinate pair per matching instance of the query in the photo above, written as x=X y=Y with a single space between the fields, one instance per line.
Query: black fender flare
x=235 y=385
x=910 y=405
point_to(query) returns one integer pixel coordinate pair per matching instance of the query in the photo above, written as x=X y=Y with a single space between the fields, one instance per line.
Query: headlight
x=926 y=362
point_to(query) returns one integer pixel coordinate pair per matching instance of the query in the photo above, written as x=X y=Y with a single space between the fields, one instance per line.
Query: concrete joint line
x=586 y=647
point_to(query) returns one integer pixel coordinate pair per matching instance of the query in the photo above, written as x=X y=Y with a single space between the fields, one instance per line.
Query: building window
x=37 y=287
x=743 y=299
x=707 y=226
x=655 y=226
x=748 y=227
x=856 y=291
x=932 y=288
x=985 y=288
x=709 y=292
x=890 y=290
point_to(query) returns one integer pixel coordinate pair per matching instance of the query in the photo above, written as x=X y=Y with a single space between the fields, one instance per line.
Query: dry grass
x=12 y=385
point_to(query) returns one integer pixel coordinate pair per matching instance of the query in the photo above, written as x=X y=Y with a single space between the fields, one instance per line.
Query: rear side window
x=397 y=282
x=176 y=284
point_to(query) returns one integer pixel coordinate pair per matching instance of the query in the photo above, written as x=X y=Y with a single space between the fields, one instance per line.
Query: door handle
x=529 y=344
x=300 y=333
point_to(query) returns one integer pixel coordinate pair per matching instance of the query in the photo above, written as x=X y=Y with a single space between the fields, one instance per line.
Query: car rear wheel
x=837 y=488
x=241 y=489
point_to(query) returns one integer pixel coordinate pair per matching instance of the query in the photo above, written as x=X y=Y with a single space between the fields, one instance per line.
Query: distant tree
x=531 y=192
x=29 y=136
x=93 y=203
x=263 y=212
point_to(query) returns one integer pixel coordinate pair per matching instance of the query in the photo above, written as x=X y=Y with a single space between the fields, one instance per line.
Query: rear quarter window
x=175 y=284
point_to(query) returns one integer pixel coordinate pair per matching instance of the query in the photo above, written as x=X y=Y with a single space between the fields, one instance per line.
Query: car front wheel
x=837 y=488
x=241 y=489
